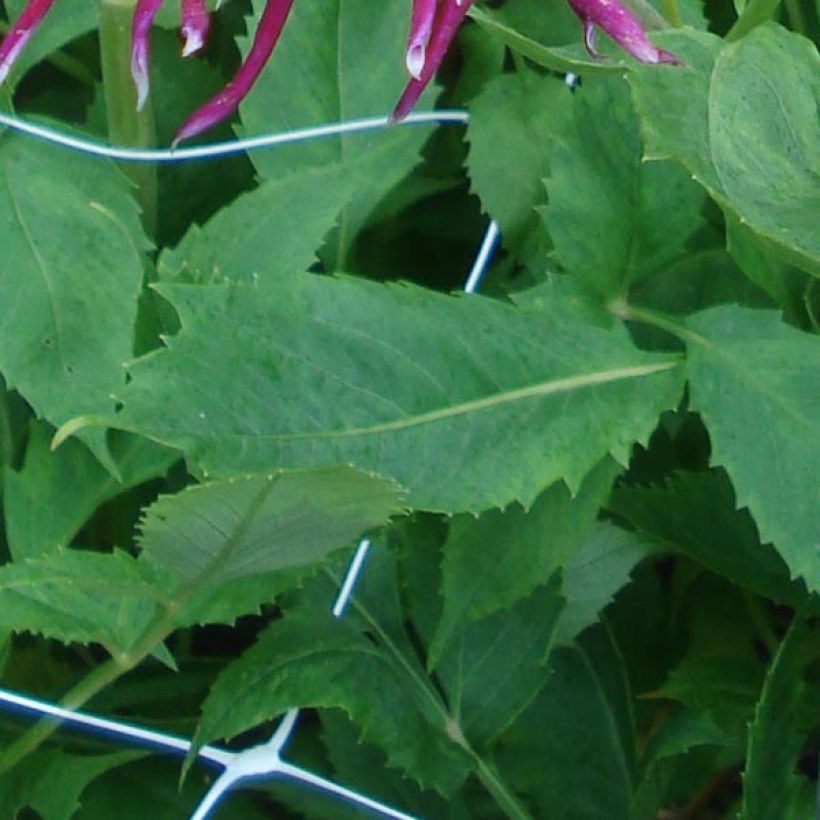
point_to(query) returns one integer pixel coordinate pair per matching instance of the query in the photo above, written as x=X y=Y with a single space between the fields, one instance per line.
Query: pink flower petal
x=20 y=33
x=622 y=26
x=144 y=15
x=227 y=101
x=449 y=16
x=195 y=24
x=421 y=27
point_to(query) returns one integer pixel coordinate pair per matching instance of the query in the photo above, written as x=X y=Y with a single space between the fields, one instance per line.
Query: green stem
x=671 y=11
x=629 y=313
x=104 y=675
x=6 y=435
x=126 y=125
x=796 y=16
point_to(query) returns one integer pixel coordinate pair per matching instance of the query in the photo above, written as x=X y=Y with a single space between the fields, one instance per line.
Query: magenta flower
x=622 y=26
x=227 y=101
x=20 y=32
x=433 y=27
x=434 y=24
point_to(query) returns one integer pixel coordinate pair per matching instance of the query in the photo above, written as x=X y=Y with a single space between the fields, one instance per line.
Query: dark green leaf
x=493 y=561
x=55 y=492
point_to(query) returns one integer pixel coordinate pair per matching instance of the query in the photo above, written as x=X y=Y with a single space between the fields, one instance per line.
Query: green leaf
x=765 y=137
x=492 y=671
x=696 y=513
x=756 y=382
x=273 y=230
x=313 y=660
x=401 y=381
x=593 y=575
x=511 y=122
x=52 y=781
x=573 y=726
x=216 y=546
x=70 y=299
x=721 y=670
x=772 y=787
x=55 y=492
x=612 y=217
x=78 y=596
x=322 y=71
x=673 y=104
x=493 y=561
x=742 y=119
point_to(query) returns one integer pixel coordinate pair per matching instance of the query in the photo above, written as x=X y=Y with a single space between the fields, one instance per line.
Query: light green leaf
x=593 y=575
x=612 y=217
x=407 y=383
x=673 y=105
x=771 y=785
x=55 y=492
x=765 y=135
x=313 y=660
x=70 y=299
x=51 y=782
x=78 y=596
x=743 y=120
x=218 y=546
x=756 y=382
x=337 y=60
x=511 y=122
x=273 y=230
x=493 y=561
x=696 y=513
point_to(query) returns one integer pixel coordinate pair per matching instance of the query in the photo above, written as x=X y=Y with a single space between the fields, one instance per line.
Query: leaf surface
x=312 y=660
x=400 y=381
x=52 y=781
x=493 y=561
x=78 y=596
x=771 y=783
x=612 y=217
x=70 y=298
x=56 y=491
x=322 y=71
x=216 y=546
x=274 y=230
x=756 y=382
x=769 y=167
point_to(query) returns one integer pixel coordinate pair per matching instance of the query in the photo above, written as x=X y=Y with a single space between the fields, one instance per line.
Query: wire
x=215 y=150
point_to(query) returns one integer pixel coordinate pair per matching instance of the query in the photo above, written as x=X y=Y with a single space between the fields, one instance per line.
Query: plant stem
x=94 y=682
x=126 y=125
x=487 y=775
x=671 y=11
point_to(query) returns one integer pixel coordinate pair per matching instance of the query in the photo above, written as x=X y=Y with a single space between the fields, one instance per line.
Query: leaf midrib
x=540 y=389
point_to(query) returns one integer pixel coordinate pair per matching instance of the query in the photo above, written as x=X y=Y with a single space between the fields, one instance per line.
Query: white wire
x=222 y=149
x=483 y=259
x=351 y=578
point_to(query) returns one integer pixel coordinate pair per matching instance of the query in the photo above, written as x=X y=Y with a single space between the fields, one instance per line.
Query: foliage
x=592 y=490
